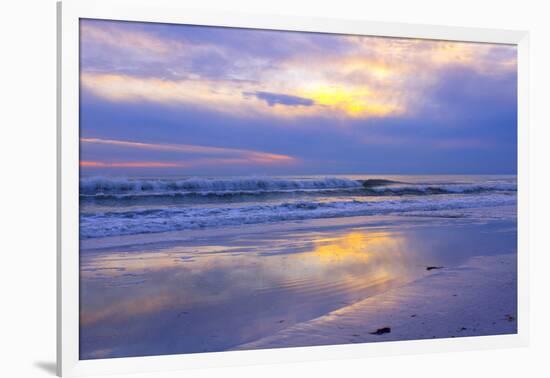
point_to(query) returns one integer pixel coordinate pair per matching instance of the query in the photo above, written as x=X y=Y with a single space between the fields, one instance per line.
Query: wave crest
x=103 y=185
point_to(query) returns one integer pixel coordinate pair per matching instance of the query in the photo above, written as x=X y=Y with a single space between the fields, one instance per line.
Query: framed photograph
x=243 y=188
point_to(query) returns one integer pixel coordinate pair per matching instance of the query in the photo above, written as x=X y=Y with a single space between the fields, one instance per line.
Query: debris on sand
x=381 y=331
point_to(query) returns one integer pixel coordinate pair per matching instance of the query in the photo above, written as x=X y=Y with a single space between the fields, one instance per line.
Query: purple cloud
x=280 y=99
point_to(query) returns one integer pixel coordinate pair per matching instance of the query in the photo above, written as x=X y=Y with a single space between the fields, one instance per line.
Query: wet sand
x=302 y=283
x=474 y=299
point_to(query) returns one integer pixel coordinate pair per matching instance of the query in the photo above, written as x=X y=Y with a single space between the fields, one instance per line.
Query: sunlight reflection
x=357 y=246
x=133 y=284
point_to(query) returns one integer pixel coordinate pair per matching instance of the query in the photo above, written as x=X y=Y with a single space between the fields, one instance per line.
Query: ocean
x=115 y=206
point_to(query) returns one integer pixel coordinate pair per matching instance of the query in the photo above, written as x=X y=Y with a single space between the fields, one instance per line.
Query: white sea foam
x=103 y=185
x=399 y=189
x=99 y=224
x=101 y=188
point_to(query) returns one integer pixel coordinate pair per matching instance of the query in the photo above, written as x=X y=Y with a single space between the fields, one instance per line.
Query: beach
x=293 y=262
x=470 y=300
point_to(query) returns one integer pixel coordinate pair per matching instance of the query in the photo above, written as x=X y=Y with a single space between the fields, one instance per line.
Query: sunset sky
x=172 y=99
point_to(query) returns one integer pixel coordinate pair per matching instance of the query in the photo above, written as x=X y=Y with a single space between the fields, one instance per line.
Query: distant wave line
x=109 y=188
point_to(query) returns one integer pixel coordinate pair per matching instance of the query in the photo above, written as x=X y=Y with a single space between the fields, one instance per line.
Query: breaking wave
x=101 y=185
x=99 y=188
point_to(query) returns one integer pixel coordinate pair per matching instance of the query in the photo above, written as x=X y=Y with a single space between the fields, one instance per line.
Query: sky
x=161 y=99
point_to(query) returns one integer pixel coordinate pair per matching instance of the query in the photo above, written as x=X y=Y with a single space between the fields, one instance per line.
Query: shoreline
x=412 y=219
x=473 y=299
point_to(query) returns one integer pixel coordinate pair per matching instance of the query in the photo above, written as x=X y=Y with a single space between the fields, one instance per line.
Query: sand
x=329 y=281
x=475 y=299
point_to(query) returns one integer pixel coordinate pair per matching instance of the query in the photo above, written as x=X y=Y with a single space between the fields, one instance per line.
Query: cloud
x=119 y=36
x=280 y=99
x=234 y=97
x=428 y=142
x=133 y=164
x=133 y=49
x=349 y=99
x=191 y=155
x=354 y=76
x=190 y=163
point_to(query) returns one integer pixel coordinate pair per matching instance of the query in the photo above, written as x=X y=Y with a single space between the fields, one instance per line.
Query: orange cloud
x=137 y=164
x=215 y=155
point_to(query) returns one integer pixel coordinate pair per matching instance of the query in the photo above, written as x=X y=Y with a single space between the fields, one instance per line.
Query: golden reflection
x=356 y=246
x=360 y=259
x=139 y=283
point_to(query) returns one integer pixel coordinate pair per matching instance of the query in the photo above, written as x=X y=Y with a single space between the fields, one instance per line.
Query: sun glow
x=352 y=101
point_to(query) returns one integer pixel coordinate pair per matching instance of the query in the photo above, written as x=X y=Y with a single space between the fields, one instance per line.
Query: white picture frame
x=165 y=11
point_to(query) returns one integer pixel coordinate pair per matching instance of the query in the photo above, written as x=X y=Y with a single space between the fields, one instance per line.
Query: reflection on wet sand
x=284 y=278
x=216 y=293
x=381 y=253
